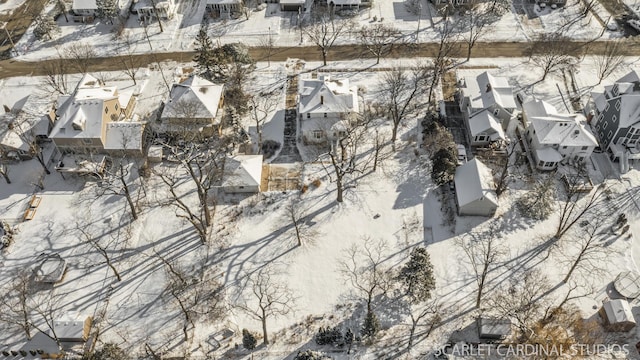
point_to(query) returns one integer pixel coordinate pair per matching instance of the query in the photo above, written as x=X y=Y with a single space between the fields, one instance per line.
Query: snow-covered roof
x=618 y=311
x=324 y=95
x=80 y=115
x=19 y=128
x=483 y=121
x=124 y=135
x=195 y=98
x=629 y=95
x=70 y=326
x=553 y=128
x=292 y=2
x=344 y=2
x=41 y=341
x=242 y=170
x=473 y=181
x=548 y=154
x=222 y=2
x=485 y=90
x=84 y=4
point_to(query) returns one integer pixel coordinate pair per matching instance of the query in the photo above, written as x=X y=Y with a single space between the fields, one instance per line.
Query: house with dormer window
x=92 y=119
x=553 y=138
x=615 y=117
x=488 y=105
x=322 y=104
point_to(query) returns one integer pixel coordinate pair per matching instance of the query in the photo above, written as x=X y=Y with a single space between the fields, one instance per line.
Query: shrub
x=317 y=182
x=329 y=336
x=371 y=325
x=311 y=355
x=249 y=340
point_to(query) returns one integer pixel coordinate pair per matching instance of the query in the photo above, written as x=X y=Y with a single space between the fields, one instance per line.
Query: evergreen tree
x=249 y=340
x=371 y=325
x=444 y=165
x=45 y=28
x=348 y=339
x=107 y=10
x=417 y=275
x=311 y=355
x=204 y=58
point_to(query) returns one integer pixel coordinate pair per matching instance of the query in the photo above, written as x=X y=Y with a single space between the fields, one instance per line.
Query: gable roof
x=242 y=170
x=486 y=90
x=84 y=109
x=193 y=98
x=324 y=95
x=84 y=4
x=124 y=135
x=474 y=181
x=553 y=128
x=482 y=122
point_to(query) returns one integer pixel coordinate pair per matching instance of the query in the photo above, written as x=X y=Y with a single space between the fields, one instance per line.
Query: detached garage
x=242 y=174
x=475 y=194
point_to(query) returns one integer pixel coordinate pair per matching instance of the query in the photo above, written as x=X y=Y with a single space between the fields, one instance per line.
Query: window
x=541 y=163
x=614 y=118
x=308 y=115
x=615 y=90
x=606 y=108
x=106 y=110
x=564 y=147
x=585 y=148
x=549 y=164
x=605 y=125
x=116 y=107
x=496 y=112
x=618 y=105
x=600 y=117
x=318 y=134
x=324 y=114
x=610 y=134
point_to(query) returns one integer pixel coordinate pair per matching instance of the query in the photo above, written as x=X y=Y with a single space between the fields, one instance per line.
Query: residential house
x=292 y=5
x=322 y=103
x=84 y=8
x=194 y=107
x=148 y=10
x=223 y=8
x=82 y=118
x=454 y=4
x=488 y=105
x=616 y=117
x=242 y=174
x=23 y=128
x=475 y=193
x=552 y=138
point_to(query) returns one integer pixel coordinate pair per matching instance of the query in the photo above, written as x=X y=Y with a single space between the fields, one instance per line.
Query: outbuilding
x=475 y=194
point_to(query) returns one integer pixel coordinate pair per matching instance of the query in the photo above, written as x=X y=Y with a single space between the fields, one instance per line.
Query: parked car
x=462 y=154
x=634 y=24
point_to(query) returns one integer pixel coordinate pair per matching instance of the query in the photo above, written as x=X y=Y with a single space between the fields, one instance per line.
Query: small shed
x=475 y=194
x=493 y=329
x=72 y=328
x=617 y=316
x=242 y=174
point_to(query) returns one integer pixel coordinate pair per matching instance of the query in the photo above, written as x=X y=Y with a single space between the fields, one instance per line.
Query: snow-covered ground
x=397 y=204
x=524 y=21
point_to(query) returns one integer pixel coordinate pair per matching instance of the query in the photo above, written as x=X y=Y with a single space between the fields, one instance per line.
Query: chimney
x=488 y=87
x=321 y=99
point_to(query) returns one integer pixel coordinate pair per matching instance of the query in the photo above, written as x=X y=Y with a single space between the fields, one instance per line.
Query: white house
x=322 y=102
x=242 y=174
x=194 y=106
x=82 y=118
x=147 y=10
x=475 y=194
x=487 y=103
x=84 y=7
x=224 y=8
x=552 y=137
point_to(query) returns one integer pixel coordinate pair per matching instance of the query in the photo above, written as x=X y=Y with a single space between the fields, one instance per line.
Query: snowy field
x=523 y=22
x=397 y=204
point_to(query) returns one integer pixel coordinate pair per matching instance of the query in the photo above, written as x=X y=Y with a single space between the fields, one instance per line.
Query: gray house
x=616 y=117
x=488 y=105
x=475 y=193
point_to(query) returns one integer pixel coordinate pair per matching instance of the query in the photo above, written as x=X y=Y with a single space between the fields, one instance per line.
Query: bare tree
x=268 y=46
x=483 y=252
x=55 y=78
x=539 y=202
x=269 y=297
x=521 y=298
x=551 y=52
x=587 y=250
x=608 y=61
x=197 y=292
x=117 y=182
x=80 y=56
x=573 y=207
x=504 y=172
x=400 y=91
x=129 y=61
x=476 y=27
x=63 y=9
x=45 y=27
x=425 y=314
x=324 y=30
x=297 y=215
x=261 y=105
x=379 y=39
x=15 y=303
x=363 y=267
x=23 y=123
x=103 y=244
x=247 y=7
x=449 y=47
